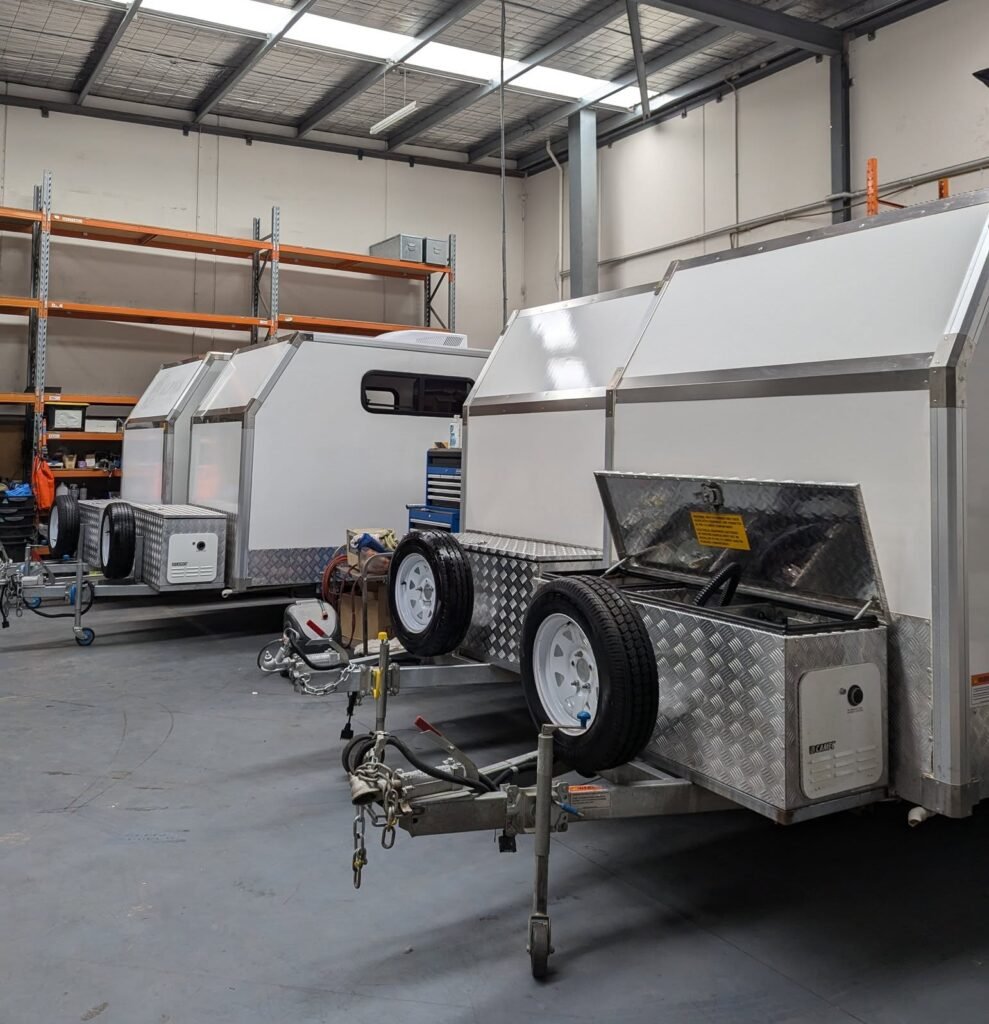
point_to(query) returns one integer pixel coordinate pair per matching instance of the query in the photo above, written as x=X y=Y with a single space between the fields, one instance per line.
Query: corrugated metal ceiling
x=168 y=62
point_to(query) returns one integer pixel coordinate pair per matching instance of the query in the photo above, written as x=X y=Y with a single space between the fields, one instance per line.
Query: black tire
x=628 y=695
x=65 y=518
x=354 y=752
x=117 y=554
x=453 y=594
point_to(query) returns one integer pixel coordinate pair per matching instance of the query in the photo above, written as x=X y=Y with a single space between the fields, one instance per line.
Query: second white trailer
x=303 y=438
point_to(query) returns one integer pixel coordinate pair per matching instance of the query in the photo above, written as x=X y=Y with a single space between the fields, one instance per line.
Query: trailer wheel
x=63 y=526
x=430 y=593
x=117 y=540
x=588 y=667
x=353 y=754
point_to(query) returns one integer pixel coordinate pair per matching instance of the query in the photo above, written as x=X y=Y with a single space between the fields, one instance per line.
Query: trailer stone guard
x=797 y=495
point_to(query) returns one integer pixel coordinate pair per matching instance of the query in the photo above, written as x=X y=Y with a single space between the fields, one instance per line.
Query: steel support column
x=841 y=157
x=583 y=203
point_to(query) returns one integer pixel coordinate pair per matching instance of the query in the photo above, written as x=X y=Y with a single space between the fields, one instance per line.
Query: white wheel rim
x=566 y=673
x=53 y=527
x=105 y=538
x=415 y=594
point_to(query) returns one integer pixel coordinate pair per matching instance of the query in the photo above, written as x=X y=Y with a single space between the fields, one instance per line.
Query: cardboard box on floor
x=352 y=616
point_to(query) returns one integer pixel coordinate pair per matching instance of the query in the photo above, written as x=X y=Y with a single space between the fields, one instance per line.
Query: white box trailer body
x=537 y=421
x=158 y=431
x=857 y=355
x=301 y=438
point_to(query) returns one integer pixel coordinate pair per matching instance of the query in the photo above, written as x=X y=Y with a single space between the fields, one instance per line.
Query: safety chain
x=303 y=682
x=386 y=783
x=360 y=850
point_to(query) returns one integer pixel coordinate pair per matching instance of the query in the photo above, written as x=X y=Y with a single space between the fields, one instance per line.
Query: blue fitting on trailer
x=583 y=717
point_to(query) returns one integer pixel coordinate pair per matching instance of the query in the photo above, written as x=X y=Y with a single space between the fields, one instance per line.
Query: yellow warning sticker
x=720 y=530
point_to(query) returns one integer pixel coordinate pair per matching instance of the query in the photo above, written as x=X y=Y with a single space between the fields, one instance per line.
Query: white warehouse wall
x=159 y=177
x=914 y=105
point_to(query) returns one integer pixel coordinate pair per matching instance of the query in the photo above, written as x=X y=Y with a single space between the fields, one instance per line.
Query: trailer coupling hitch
x=377 y=792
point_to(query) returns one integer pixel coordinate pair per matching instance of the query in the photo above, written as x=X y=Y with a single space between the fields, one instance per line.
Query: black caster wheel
x=354 y=752
x=86 y=637
x=539 y=946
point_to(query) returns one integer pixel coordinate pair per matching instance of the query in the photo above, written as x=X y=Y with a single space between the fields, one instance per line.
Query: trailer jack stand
x=539 y=945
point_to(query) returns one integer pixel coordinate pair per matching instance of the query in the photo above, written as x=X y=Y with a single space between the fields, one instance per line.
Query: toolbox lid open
x=805 y=542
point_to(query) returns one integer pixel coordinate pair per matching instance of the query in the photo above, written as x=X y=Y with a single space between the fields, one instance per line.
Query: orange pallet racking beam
x=161 y=317
x=94 y=229
x=341 y=326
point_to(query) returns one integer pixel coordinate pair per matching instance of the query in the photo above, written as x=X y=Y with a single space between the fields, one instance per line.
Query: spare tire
x=588 y=666
x=430 y=593
x=117 y=540
x=63 y=526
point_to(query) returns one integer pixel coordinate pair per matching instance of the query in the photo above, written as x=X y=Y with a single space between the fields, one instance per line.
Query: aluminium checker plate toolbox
x=779 y=700
x=505 y=571
x=164 y=528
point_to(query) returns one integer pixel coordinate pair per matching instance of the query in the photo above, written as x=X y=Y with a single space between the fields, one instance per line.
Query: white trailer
x=158 y=431
x=804 y=420
x=304 y=437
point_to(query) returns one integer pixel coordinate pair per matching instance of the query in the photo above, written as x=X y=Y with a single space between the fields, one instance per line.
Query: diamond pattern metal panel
x=283 y=567
x=288 y=83
x=911 y=698
x=728 y=700
x=90 y=518
x=804 y=539
x=505 y=570
x=157 y=524
x=522 y=547
x=49 y=43
x=170 y=63
x=721 y=701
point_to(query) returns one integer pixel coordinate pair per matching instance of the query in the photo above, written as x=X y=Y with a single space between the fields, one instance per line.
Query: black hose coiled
x=730 y=574
x=480 y=785
x=84 y=605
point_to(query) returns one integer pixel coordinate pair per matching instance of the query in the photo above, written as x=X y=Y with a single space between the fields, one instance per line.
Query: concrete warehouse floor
x=175 y=838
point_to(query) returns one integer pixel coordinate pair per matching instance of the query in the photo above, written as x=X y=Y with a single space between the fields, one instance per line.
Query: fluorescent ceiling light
x=347 y=37
x=455 y=60
x=393 y=118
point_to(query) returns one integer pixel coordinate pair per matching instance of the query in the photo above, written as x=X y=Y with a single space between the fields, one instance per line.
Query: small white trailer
x=158 y=432
x=280 y=447
x=789 y=609
x=304 y=437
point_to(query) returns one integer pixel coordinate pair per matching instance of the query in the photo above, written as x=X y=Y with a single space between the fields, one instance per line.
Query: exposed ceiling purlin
x=658 y=62
x=865 y=18
x=339 y=99
x=210 y=99
x=598 y=17
x=757 y=21
x=118 y=33
x=695 y=93
x=635 y=32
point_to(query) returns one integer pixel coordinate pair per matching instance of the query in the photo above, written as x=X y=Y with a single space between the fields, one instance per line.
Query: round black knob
x=200 y=545
x=855 y=695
